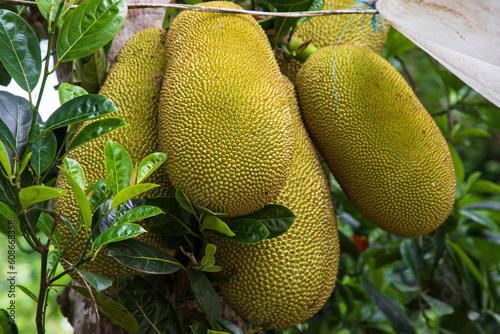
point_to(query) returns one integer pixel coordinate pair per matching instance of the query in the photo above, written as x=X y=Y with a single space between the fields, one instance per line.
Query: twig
x=409 y=76
x=220 y=10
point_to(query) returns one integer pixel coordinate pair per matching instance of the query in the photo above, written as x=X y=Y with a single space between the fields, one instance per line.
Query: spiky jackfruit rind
x=224 y=108
x=285 y=280
x=133 y=84
x=382 y=146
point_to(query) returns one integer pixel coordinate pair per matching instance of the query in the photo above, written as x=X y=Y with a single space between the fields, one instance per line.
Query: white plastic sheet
x=463 y=35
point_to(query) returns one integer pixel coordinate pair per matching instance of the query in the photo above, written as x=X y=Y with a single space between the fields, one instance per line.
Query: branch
x=221 y=10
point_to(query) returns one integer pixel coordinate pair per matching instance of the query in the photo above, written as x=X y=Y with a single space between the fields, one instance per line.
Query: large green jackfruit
x=133 y=84
x=224 y=110
x=380 y=143
x=286 y=280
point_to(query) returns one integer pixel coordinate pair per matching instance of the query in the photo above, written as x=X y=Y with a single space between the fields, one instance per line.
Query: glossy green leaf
x=44 y=150
x=98 y=281
x=45 y=224
x=150 y=307
x=6 y=136
x=277 y=218
x=149 y=164
x=205 y=295
x=399 y=320
x=76 y=170
x=110 y=216
x=143 y=257
x=27 y=292
x=119 y=165
x=184 y=201
x=247 y=231
x=80 y=109
x=25 y=161
x=94 y=72
x=139 y=213
x=68 y=92
x=5 y=77
x=115 y=312
x=232 y=328
x=438 y=306
x=48 y=8
x=5 y=160
x=36 y=194
x=20 y=54
x=117 y=233
x=7 y=212
x=175 y=221
x=457 y=164
x=98 y=196
x=131 y=192
x=210 y=250
x=80 y=196
x=214 y=223
x=95 y=130
x=89 y=27
x=208 y=212
x=52 y=260
x=484 y=186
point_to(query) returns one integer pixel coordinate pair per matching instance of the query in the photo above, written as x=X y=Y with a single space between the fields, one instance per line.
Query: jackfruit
x=380 y=143
x=285 y=280
x=133 y=84
x=326 y=30
x=224 y=110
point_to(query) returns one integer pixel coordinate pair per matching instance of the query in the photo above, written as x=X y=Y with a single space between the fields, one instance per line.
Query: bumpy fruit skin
x=285 y=280
x=380 y=143
x=224 y=110
x=133 y=84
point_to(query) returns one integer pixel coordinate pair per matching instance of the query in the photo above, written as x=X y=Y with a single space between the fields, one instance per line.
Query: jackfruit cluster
x=133 y=84
x=382 y=146
x=225 y=122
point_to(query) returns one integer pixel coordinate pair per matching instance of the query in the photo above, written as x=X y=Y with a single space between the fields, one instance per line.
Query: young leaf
x=4 y=159
x=214 y=223
x=89 y=27
x=36 y=194
x=115 y=312
x=277 y=218
x=45 y=224
x=210 y=250
x=139 y=213
x=95 y=130
x=118 y=164
x=27 y=292
x=184 y=201
x=149 y=164
x=117 y=233
x=94 y=72
x=44 y=150
x=20 y=54
x=131 y=192
x=205 y=295
x=79 y=109
x=153 y=311
x=247 y=231
x=143 y=257
x=98 y=281
x=457 y=164
x=69 y=92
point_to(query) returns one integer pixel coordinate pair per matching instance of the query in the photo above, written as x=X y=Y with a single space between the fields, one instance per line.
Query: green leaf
x=5 y=325
x=112 y=216
x=205 y=295
x=98 y=281
x=20 y=54
x=184 y=201
x=80 y=196
x=485 y=205
x=198 y=328
x=118 y=164
x=277 y=218
x=149 y=164
x=94 y=72
x=484 y=186
x=210 y=250
x=52 y=259
x=208 y=212
x=411 y=255
x=283 y=24
x=399 y=320
x=229 y=326
x=89 y=27
x=143 y=257
x=25 y=161
x=139 y=213
x=438 y=306
x=44 y=150
x=150 y=307
x=115 y=312
x=7 y=212
x=45 y=224
x=471 y=180
x=396 y=44
x=36 y=194
x=27 y=292
x=457 y=164
x=76 y=170
x=99 y=195
x=214 y=223
x=131 y=192
x=470 y=132
x=48 y=8
x=5 y=77
x=5 y=160
x=95 y=130
x=68 y=92
x=79 y=109
x=6 y=136
x=117 y=233
x=247 y=231
x=175 y=221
